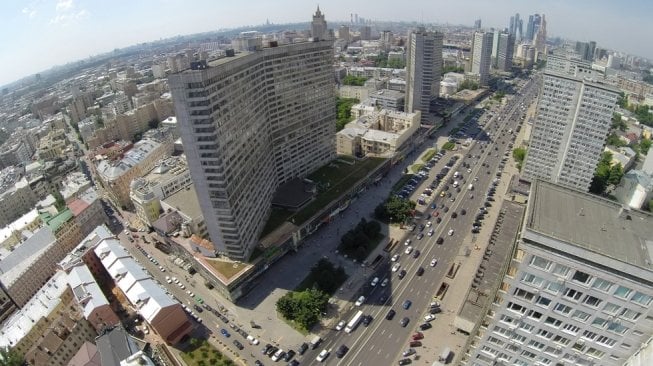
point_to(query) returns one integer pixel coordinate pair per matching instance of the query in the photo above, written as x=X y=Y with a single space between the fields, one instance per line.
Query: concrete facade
x=423 y=69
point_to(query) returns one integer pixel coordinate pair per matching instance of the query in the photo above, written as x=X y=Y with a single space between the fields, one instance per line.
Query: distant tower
x=319 y=25
x=477 y=24
x=505 y=50
x=423 y=69
x=343 y=33
x=482 y=56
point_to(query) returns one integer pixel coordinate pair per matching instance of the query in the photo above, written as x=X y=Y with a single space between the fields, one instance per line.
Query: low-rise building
x=622 y=155
x=16 y=195
x=117 y=347
x=18 y=230
x=53 y=144
x=73 y=185
x=90 y=299
x=388 y=99
x=635 y=189
x=87 y=211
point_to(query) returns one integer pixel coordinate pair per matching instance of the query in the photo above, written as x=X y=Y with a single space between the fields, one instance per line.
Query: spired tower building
x=319 y=25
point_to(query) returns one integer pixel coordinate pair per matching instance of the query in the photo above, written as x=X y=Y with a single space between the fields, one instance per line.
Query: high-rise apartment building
x=249 y=123
x=366 y=33
x=505 y=50
x=482 y=56
x=572 y=123
x=578 y=289
x=343 y=33
x=318 y=25
x=423 y=69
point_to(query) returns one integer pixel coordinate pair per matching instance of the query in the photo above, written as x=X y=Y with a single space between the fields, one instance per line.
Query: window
x=580 y=315
x=611 y=308
x=528 y=354
x=519 y=338
x=617 y=328
x=535 y=344
x=641 y=299
x=544 y=334
x=607 y=341
x=573 y=294
x=496 y=341
x=543 y=301
x=552 y=351
x=592 y=301
x=602 y=285
x=561 y=270
x=535 y=314
x=541 y=263
x=562 y=308
x=630 y=314
x=516 y=307
x=528 y=296
x=507 y=319
x=532 y=279
x=595 y=352
x=561 y=340
x=622 y=292
x=579 y=346
x=553 y=287
x=552 y=322
x=599 y=322
x=570 y=328
x=581 y=277
x=589 y=335
x=526 y=327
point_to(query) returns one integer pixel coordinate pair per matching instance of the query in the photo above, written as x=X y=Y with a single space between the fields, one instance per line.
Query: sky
x=38 y=34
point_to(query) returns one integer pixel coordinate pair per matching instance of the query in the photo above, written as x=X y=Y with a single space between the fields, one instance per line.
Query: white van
x=445 y=355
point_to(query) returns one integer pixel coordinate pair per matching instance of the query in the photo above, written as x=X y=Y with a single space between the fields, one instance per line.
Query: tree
x=618 y=122
x=614 y=140
x=60 y=203
x=9 y=357
x=622 y=101
x=616 y=172
x=644 y=146
x=519 y=154
x=343 y=111
x=602 y=174
x=354 y=80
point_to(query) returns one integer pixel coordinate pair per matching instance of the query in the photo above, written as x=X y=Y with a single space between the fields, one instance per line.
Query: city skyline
x=68 y=30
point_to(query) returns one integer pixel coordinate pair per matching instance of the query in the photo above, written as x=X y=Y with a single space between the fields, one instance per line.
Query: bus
x=353 y=323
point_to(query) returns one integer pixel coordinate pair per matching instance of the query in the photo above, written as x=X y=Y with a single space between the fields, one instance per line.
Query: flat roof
x=591 y=223
x=185 y=200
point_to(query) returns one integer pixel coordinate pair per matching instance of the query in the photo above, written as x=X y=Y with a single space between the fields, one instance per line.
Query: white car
x=322 y=356
x=340 y=325
x=407 y=242
x=429 y=317
x=168 y=280
x=384 y=283
x=434 y=262
x=408 y=250
x=395 y=258
x=428 y=224
x=360 y=301
x=395 y=268
x=431 y=232
x=252 y=340
x=374 y=281
x=277 y=355
x=450 y=232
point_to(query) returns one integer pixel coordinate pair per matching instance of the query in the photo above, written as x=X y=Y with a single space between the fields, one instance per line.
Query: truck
x=315 y=342
x=353 y=323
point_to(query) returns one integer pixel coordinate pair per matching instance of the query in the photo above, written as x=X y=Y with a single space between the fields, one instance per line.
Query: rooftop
x=19 y=224
x=87 y=292
x=116 y=345
x=89 y=242
x=591 y=223
x=185 y=201
x=23 y=256
x=111 y=170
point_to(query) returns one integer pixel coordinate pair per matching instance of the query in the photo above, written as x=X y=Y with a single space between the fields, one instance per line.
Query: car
x=425 y=326
x=420 y=236
x=429 y=224
x=404 y=321
x=450 y=232
x=475 y=231
x=408 y=352
x=391 y=314
x=272 y=351
x=407 y=242
x=258 y=363
x=340 y=325
x=415 y=344
x=374 y=282
x=431 y=232
x=266 y=348
x=342 y=350
x=395 y=258
x=439 y=241
x=396 y=266
x=322 y=356
x=278 y=355
x=198 y=308
x=420 y=271
x=360 y=301
x=438 y=220
x=303 y=348
x=429 y=317
x=384 y=283
x=408 y=250
x=445 y=209
x=463 y=211
x=407 y=303
x=417 y=336
x=402 y=274
x=434 y=262
x=404 y=361
x=433 y=206
x=289 y=355
x=454 y=215
x=168 y=280
x=238 y=344
x=367 y=319
x=416 y=253
x=225 y=332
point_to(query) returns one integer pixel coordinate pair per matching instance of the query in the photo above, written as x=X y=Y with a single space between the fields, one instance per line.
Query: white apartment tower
x=571 y=126
x=505 y=50
x=318 y=25
x=578 y=289
x=423 y=69
x=482 y=56
x=250 y=122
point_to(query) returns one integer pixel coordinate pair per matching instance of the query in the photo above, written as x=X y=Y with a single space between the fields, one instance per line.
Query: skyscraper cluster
x=423 y=69
x=516 y=26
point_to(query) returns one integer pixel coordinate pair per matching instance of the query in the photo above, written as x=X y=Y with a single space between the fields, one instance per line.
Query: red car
x=435 y=213
x=418 y=336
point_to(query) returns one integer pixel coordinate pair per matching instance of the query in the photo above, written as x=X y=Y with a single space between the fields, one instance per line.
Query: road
x=384 y=341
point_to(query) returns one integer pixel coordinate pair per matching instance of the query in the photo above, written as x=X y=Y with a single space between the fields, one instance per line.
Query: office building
x=343 y=33
x=482 y=56
x=477 y=24
x=578 y=289
x=423 y=69
x=505 y=51
x=366 y=33
x=572 y=123
x=318 y=26
x=249 y=123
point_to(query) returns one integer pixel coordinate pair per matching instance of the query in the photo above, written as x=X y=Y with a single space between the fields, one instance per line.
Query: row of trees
x=605 y=175
x=354 y=80
x=359 y=241
x=324 y=276
x=304 y=308
x=395 y=210
x=468 y=84
x=457 y=69
x=343 y=111
x=519 y=154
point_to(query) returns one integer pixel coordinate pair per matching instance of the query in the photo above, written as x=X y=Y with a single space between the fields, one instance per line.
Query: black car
x=420 y=271
x=402 y=273
x=463 y=211
x=258 y=363
x=404 y=321
x=420 y=236
x=438 y=220
x=454 y=215
x=435 y=310
x=367 y=319
x=272 y=350
x=421 y=227
x=293 y=363
x=266 y=348
x=425 y=326
x=439 y=241
x=445 y=209
x=342 y=350
x=405 y=361
x=303 y=348
x=238 y=344
x=416 y=253
x=390 y=315
x=289 y=355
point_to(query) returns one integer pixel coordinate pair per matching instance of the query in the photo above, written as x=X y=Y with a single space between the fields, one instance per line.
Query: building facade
x=571 y=298
x=505 y=50
x=423 y=69
x=318 y=26
x=572 y=123
x=250 y=123
x=482 y=56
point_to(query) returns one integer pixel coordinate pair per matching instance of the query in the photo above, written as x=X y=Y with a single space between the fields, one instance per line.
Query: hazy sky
x=35 y=35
